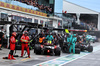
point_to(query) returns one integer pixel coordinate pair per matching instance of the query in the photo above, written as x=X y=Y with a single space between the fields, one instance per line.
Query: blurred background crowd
x=42 y=7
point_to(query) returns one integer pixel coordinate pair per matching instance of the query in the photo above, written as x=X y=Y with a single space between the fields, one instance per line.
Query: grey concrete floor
x=92 y=59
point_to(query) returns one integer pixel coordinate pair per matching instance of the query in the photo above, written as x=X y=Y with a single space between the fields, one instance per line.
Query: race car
x=65 y=48
x=47 y=48
x=85 y=46
x=84 y=43
x=91 y=38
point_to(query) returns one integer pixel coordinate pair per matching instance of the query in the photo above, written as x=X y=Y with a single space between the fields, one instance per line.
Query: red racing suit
x=12 y=43
x=25 y=40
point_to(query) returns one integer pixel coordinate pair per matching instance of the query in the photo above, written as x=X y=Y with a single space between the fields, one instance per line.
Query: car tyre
x=90 y=48
x=77 y=51
x=57 y=51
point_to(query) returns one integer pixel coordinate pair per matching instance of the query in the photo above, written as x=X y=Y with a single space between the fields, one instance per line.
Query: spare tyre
x=37 y=49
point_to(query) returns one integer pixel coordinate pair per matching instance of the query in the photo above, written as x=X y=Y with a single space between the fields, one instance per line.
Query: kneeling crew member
x=12 y=46
x=25 y=41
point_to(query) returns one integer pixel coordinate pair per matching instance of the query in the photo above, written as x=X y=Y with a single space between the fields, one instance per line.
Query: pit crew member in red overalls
x=25 y=41
x=12 y=46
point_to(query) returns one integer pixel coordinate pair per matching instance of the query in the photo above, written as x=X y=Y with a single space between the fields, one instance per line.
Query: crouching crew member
x=25 y=41
x=12 y=46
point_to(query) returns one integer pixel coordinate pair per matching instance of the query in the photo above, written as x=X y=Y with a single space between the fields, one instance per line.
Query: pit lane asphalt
x=89 y=60
x=93 y=59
